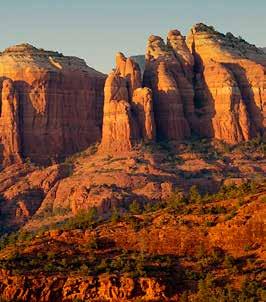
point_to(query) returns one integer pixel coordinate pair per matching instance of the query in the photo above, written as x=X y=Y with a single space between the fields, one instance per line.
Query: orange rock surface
x=168 y=73
x=57 y=105
x=10 y=146
x=128 y=108
x=229 y=85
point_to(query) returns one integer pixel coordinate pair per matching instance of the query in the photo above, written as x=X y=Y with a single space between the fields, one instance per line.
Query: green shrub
x=229 y=261
x=194 y=195
x=135 y=208
x=115 y=215
x=83 y=220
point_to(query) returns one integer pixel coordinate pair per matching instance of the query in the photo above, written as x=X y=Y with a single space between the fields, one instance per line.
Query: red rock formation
x=60 y=101
x=171 y=122
x=119 y=130
x=23 y=189
x=128 y=109
x=129 y=69
x=178 y=43
x=223 y=113
x=71 y=288
x=169 y=74
x=229 y=85
x=143 y=106
x=9 y=124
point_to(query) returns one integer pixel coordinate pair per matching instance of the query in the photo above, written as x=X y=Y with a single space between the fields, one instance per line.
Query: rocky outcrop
x=76 y=267
x=140 y=60
x=72 y=288
x=177 y=42
x=143 y=108
x=128 y=108
x=52 y=105
x=119 y=130
x=10 y=145
x=169 y=74
x=22 y=190
x=229 y=85
x=57 y=99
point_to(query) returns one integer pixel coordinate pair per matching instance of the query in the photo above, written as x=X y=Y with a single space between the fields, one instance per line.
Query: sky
x=96 y=29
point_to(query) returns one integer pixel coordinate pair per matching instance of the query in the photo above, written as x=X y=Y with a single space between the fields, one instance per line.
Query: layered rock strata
x=210 y=84
x=229 y=83
x=168 y=73
x=53 y=106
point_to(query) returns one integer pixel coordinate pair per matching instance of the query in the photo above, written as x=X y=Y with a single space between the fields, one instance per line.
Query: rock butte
x=210 y=84
x=128 y=108
x=51 y=104
x=230 y=86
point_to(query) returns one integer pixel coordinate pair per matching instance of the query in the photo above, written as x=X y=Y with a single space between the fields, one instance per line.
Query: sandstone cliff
x=128 y=108
x=170 y=79
x=51 y=104
x=210 y=84
x=229 y=85
x=9 y=124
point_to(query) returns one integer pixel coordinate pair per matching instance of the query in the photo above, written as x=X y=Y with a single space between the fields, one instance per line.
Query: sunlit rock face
x=230 y=85
x=55 y=104
x=9 y=124
x=169 y=74
x=128 y=108
x=208 y=84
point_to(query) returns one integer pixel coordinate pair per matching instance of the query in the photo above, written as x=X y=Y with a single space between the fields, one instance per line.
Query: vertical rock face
x=60 y=101
x=170 y=112
x=143 y=107
x=223 y=112
x=128 y=108
x=52 y=106
x=169 y=74
x=129 y=70
x=119 y=131
x=178 y=43
x=9 y=124
x=230 y=85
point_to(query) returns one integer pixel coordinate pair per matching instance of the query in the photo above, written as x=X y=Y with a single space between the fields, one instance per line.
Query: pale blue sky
x=96 y=29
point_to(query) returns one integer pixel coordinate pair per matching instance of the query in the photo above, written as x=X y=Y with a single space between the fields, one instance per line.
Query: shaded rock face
x=128 y=108
x=140 y=60
x=168 y=73
x=178 y=43
x=22 y=190
x=57 y=103
x=229 y=85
